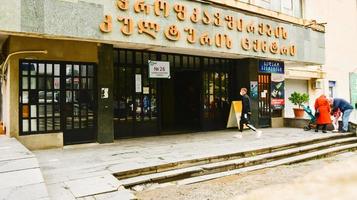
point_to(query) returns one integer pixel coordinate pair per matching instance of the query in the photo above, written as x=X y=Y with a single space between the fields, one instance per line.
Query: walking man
x=246 y=112
x=346 y=109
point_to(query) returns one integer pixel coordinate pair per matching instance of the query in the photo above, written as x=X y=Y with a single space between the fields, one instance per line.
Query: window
x=39 y=97
x=331 y=89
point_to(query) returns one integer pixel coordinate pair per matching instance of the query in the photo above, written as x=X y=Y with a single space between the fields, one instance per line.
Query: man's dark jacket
x=246 y=104
x=342 y=104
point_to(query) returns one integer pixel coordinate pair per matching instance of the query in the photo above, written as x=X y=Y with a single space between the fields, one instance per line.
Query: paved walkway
x=85 y=170
x=20 y=175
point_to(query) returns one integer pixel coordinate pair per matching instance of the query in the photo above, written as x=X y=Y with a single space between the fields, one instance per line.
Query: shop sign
x=353 y=88
x=271 y=67
x=277 y=91
x=159 y=69
x=255 y=36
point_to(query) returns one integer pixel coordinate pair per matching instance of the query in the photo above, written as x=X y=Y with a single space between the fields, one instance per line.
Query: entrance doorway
x=58 y=97
x=264 y=107
x=181 y=102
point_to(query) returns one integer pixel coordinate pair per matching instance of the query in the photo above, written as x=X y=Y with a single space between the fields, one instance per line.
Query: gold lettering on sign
x=194 y=17
x=274 y=48
x=206 y=19
x=161 y=5
x=172 y=33
x=191 y=38
x=251 y=28
x=140 y=6
x=217 y=19
x=180 y=11
x=269 y=30
x=240 y=25
x=230 y=22
x=245 y=44
x=149 y=28
x=205 y=39
x=128 y=25
x=256 y=45
x=223 y=38
x=123 y=4
x=293 y=50
x=107 y=25
x=264 y=47
x=261 y=29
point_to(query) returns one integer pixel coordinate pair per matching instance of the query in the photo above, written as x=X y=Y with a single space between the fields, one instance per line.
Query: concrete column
x=105 y=81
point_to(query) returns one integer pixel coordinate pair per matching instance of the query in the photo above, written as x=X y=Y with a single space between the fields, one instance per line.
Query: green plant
x=299 y=98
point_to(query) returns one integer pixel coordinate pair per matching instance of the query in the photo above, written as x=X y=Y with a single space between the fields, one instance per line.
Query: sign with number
x=159 y=69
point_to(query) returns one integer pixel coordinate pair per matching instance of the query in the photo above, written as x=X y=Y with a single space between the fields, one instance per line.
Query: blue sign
x=271 y=67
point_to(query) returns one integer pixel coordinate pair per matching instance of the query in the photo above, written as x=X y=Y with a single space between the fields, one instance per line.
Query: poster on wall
x=253 y=89
x=353 y=88
x=277 y=91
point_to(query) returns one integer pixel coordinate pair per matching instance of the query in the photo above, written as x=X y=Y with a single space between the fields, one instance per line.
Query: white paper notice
x=138 y=83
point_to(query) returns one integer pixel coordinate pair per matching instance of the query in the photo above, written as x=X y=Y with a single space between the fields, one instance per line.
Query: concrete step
x=234 y=164
x=218 y=158
x=285 y=161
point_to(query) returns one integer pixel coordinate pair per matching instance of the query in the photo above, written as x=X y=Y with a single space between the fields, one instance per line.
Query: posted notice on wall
x=138 y=84
x=277 y=91
x=159 y=69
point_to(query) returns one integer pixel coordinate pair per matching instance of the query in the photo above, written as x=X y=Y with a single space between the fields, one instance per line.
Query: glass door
x=79 y=103
x=264 y=107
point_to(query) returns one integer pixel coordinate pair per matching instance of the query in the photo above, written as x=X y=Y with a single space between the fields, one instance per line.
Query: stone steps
x=134 y=172
x=209 y=168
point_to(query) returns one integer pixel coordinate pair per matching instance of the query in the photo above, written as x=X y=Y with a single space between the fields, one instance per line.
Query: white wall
x=340 y=40
x=293 y=85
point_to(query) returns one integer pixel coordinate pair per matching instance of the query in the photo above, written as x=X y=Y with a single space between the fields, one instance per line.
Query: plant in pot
x=299 y=99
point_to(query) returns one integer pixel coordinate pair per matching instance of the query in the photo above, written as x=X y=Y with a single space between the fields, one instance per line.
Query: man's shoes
x=316 y=130
x=324 y=131
x=343 y=131
x=335 y=131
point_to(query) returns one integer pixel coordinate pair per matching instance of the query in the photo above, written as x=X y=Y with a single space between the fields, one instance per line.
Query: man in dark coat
x=346 y=109
x=246 y=112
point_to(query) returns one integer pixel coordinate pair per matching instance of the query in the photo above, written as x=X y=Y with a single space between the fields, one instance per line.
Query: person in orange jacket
x=323 y=118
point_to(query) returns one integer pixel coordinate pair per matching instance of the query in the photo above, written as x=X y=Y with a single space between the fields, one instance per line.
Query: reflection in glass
x=49 y=82
x=25 y=97
x=41 y=110
x=76 y=83
x=90 y=70
x=68 y=122
x=33 y=111
x=57 y=70
x=57 y=124
x=90 y=83
x=49 y=124
x=41 y=83
x=49 y=69
x=68 y=83
x=83 y=70
x=68 y=70
x=25 y=125
x=33 y=69
x=41 y=69
x=68 y=96
x=41 y=125
x=76 y=70
x=33 y=125
x=49 y=111
x=76 y=122
x=57 y=83
x=33 y=83
x=25 y=84
x=83 y=83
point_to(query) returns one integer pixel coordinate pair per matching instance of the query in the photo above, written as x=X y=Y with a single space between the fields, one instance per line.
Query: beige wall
x=59 y=50
x=341 y=40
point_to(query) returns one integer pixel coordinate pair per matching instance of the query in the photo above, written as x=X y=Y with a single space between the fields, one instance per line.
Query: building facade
x=88 y=71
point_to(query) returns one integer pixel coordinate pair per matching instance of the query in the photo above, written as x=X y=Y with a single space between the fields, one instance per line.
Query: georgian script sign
x=258 y=37
x=159 y=69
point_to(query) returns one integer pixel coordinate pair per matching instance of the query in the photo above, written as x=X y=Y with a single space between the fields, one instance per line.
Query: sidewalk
x=85 y=170
x=20 y=175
